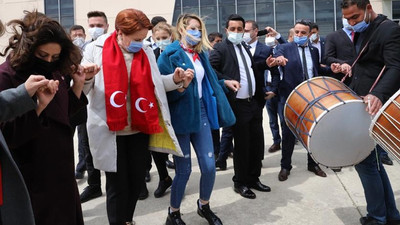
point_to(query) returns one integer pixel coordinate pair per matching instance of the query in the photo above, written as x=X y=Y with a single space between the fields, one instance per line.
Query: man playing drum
x=377 y=41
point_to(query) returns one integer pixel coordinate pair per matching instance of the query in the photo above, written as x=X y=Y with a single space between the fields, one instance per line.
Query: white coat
x=102 y=141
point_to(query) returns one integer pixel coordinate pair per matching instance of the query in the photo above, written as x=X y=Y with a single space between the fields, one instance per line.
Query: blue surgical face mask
x=196 y=37
x=135 y=46
x=300 y=40
x=162 y=44
x=346 y=24
x=235 y=38
x=361 y=26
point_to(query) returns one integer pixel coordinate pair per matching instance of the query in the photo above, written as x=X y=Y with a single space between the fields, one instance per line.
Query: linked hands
x=184 y=76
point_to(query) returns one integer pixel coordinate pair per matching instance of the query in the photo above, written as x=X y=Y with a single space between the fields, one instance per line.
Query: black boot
x=174 y=218
x=206 y=212
x=162 y=187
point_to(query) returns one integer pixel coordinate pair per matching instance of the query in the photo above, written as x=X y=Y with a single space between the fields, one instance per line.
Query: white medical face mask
x=235 y=38
x=96 y=32
x=313 y=37
x=79 y=41
x=246 y=37
x=270 y=41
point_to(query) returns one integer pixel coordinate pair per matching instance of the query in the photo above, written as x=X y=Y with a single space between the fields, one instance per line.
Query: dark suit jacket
x=261 y=54
x=383 y=49
x=224 y=61
x=339 y=49
x=293 y=71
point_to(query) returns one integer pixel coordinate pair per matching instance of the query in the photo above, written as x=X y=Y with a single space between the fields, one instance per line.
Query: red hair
x=131 y=20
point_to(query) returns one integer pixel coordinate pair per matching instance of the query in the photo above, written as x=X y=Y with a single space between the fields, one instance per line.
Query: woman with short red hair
x=127 y=105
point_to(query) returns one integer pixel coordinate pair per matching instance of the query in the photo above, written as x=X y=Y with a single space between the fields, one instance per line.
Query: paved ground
x=303 y=199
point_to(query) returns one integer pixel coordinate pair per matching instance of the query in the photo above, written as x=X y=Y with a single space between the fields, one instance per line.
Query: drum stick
x=376 y=150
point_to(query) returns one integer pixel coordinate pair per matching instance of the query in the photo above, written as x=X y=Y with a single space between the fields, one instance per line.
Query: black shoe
x=369 y=221
x=144 y=193
x=221 y=164
x=162 y=187
x=260 y=187
x=206 y=212
x=274 y=148
x=336 y=170
x=283 y=174
x=244 y=191
x=174 y=218
x=90 y=192
x=79 y=175
x=317 y=170
x=170 y=164
x=147 y=178
x=386 y=160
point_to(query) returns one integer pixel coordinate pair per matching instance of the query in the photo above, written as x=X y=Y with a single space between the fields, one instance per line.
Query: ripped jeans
x=203 y=147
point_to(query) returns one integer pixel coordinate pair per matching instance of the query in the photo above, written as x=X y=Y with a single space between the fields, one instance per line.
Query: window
x=265 y=13
x=226 y=8
x=325 y=16
x=62 y=11
x=209 y=14
x=284 y=16
x=396 y=10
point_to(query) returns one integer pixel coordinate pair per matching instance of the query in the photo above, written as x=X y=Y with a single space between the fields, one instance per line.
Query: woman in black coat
x=41 y=140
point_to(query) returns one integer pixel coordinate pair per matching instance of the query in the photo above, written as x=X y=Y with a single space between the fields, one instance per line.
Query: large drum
x=330 y=121
x=385 y=127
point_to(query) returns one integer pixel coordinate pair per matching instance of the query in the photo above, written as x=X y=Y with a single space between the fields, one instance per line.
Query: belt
x=249 y=99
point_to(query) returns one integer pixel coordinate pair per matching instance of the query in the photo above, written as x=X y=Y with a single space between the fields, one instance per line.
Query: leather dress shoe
x=163 y=185
x=244 y=191
x=283 y=174
x=147 y=178
x=317 y=170
x=170 y=164
x=386 y=160
x=90 y=192
x=209 y=215
x=369 y=221
x=260 y=187
x=221 y=164
x=174 y=218
x=274 y=148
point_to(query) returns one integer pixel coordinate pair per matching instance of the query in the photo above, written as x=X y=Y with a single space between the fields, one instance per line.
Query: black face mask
x=42 y=67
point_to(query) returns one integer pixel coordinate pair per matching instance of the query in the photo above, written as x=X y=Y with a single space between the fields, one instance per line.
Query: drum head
x=341 y=136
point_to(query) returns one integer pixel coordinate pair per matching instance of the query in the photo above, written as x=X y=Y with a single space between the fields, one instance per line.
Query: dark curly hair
x=34 y=30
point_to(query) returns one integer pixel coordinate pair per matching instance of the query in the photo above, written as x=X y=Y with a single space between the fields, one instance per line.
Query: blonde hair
x=162 y=26
x=183 y=22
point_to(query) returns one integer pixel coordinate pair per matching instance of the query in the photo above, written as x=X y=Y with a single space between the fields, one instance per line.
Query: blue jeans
x=378 y=192
x=203 y=146
x=275 y=109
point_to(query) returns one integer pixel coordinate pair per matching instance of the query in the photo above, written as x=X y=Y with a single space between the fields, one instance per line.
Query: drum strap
x=358 y=57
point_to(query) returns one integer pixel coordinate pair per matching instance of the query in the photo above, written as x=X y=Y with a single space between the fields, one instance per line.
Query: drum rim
x=292 y=92
x=387 y=103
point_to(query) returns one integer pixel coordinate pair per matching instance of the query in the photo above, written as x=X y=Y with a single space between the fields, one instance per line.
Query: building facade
x=280 y=14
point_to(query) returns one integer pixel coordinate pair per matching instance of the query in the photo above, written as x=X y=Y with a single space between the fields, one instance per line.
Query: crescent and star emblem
x=112 y=99
x=137 y=105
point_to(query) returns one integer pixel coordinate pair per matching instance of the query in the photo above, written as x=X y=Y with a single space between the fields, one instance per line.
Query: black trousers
x=123 y=187
x=248 y=136
x=288 y=142
x=159 y=160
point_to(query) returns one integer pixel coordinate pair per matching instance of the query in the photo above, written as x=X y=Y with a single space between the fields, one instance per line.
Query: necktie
x=352 y=36
x=249 y=83
x=305 y=70
x=195 y=54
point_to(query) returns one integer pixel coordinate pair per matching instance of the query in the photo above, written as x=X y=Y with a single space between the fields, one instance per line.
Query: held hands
x=34 y=82
x=373 y=104
x=279 y=61
x=188 y=77
x=184 y=76
x=45 y=94
x=341 y=68
x=89 y=70
x=234 y=85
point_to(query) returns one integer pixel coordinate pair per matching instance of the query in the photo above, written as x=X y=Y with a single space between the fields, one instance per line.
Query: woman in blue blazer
x=196 y=108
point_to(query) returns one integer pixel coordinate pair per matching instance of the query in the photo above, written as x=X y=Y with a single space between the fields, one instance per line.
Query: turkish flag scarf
x=144 y=110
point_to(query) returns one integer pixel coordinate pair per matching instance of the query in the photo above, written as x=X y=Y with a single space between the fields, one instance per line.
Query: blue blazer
x=293 y=71
x=185 y=106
